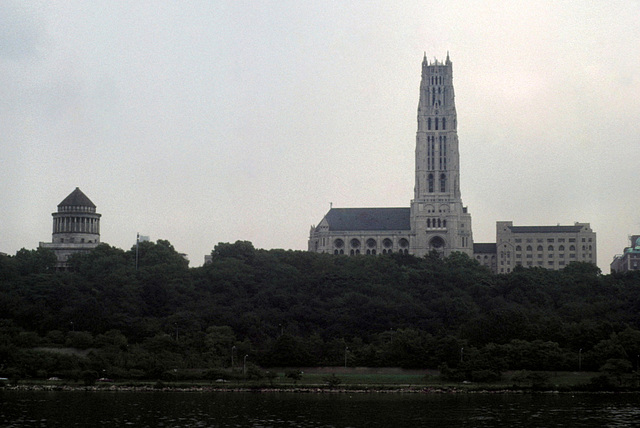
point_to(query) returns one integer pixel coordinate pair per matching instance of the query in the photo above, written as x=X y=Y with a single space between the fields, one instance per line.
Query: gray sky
x=217 y=121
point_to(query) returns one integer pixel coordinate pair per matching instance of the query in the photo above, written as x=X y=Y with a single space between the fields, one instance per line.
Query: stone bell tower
x=439 y=221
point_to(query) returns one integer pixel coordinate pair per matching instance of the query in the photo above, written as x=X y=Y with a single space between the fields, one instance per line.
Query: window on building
x=550 y=240
x=518 y=248
x=550 y=248
x=431 y=183
x=539 y=248
x=529 y=248
x=561 y=248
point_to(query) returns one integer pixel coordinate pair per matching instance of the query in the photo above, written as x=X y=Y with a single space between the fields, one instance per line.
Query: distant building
x=550 y=247
x=76 y=227
x=630 y=259
x=436 y=219
x=486 y=255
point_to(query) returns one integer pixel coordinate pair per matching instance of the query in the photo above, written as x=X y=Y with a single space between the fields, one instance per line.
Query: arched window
x=529 y=248
x=539 y=247
x=444 y=223
x=572 y=248
x=431 y=183
x=518 y=248
x=436 y=123
x=561 y=248
x=443 y=183
x=444 y=123
x=429 y=124
x=550 y=248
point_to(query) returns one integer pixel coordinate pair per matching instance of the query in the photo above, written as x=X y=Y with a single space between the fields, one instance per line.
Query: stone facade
x=436 y=219
x=76 y=227
x=629 y=260
x=550 y=247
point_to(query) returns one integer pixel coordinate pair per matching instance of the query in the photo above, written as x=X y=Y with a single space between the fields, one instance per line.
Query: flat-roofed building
x=629 y=260
x=550 y=247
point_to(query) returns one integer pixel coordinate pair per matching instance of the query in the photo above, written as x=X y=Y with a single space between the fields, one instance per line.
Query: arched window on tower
x=444 y=123
x=429 y=124
x=436 y=123
x=431 y=183
x=443 y=183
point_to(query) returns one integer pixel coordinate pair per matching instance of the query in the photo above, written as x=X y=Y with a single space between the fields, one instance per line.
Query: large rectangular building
x=550 y=247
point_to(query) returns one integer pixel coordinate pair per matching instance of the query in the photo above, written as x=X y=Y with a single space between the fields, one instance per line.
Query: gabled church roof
x=76 y=199
x=349 y=219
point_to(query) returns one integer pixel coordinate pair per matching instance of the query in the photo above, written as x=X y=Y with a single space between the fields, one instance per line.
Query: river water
x=240 y=409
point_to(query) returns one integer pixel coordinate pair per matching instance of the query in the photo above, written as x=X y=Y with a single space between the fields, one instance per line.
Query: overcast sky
x=217 y=121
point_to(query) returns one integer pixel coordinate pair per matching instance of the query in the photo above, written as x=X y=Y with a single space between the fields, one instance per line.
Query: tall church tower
x=439 y=221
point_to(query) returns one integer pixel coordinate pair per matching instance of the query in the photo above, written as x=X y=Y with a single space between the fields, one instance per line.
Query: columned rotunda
x=76 y=227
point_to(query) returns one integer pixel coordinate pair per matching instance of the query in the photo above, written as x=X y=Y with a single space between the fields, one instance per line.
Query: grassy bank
x=341 y=379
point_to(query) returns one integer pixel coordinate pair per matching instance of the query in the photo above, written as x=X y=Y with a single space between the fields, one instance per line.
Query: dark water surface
x=236 y=409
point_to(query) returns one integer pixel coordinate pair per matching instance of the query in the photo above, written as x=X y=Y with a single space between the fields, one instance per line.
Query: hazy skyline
x=217 y=121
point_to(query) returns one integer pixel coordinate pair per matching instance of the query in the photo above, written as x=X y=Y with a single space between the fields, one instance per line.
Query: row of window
x=371 y=243
x=551 y=240
x=437 y=123
x=369 y=252
x=551 y=248
x=436 y=222
x=443 y=183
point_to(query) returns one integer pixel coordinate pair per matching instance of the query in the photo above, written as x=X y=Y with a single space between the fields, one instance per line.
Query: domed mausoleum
x=76 y=227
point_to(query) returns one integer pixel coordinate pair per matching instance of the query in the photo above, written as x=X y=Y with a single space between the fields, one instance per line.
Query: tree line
x=150 y=315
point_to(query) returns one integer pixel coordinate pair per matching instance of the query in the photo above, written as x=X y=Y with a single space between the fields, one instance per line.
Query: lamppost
x=580 y=360
x=233 y=351
x=244 y=366
x=346 y=349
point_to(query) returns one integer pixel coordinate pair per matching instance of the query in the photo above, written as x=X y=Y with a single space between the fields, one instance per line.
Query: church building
x=436 y=218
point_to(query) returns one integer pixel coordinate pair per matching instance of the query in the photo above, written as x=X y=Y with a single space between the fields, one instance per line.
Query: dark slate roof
x=490 y=248
x=76 y=199
x=369 y=219
x=545 y=229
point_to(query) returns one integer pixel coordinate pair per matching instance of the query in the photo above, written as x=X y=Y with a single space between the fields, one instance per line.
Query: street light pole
x=244 y=366
x=233 y=350
x=346 y=349
x=580 y=360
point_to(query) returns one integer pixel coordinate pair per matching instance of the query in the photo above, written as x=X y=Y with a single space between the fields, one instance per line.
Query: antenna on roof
x=330 y=205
